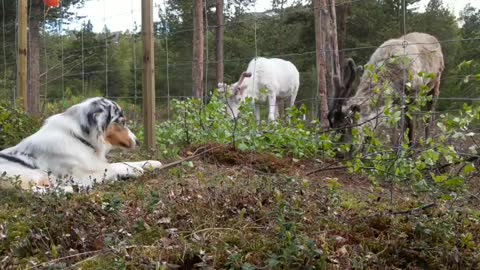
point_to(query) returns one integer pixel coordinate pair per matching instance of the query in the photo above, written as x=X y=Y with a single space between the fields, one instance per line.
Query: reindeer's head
x=235 y=93
x=342 y=112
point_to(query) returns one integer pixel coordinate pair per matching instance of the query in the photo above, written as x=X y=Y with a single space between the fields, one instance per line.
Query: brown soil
x=319 y=171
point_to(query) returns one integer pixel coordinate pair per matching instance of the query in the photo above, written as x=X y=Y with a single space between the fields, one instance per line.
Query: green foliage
x=15 y=125
x=427 y=166
x=207 y=218
x=295 y=250
x=462 y=79
x=470 y=30
x=286 y=31
x=198 y=215
x=467 y=84
x=195 y=123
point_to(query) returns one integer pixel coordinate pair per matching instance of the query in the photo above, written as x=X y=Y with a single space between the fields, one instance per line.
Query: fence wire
x=90 y=63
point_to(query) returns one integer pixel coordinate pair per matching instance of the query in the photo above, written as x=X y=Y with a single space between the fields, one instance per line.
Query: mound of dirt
x=227 y=155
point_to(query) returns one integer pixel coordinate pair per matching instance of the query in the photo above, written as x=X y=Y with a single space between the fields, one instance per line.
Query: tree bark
x=219 y=40
x=319 y=11
x=327 y=56
x=148 y=84
x=197 y=63
x=34 y=59
x=22 y=53
x=342 y=34
x=333 y=67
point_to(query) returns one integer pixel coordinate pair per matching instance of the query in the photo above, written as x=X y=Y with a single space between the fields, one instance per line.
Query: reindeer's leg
x=256 y=108
x=272 y=105
x=431 y=105
x=410 y=126
x=288 y=103
x=291 y=104
x=257 y=114
x=277 y=108
x=281 y=107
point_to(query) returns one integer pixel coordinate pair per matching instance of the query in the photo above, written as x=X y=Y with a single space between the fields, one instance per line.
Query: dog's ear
x=117 y=115
x=112 y=113
x=95 y=119
x=100 y=113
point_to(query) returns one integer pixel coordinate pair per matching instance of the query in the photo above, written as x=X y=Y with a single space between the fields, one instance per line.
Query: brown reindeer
x=397 y=65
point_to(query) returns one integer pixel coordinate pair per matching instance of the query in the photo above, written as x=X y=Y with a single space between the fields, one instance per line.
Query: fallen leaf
x=164 y=220
x=341 y=252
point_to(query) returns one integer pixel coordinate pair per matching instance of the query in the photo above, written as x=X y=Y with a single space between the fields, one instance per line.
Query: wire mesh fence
x=80 y=55
x=278 y=182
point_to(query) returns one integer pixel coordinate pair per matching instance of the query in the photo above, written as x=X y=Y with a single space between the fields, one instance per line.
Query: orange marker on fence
x=51 y=4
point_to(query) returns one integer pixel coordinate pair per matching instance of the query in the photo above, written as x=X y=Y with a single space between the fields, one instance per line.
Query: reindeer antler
x=349 y=78
x=244 y=75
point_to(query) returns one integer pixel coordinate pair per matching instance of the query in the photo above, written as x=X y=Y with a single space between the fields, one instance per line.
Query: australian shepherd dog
x=70 y=149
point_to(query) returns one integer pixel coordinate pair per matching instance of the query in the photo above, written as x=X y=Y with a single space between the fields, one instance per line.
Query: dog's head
x=103 y=119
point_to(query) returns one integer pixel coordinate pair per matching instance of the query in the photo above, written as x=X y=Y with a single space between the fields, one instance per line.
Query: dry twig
x=194 y=156
x=328 y=168
x=411 y=211
x=64 y=258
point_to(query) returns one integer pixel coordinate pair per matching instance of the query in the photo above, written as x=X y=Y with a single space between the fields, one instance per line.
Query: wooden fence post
x=198 y=48
x=219 y=40
x=148 y=75
x=22 y=78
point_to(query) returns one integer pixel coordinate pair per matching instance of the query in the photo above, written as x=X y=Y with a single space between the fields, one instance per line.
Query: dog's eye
x=121 y=121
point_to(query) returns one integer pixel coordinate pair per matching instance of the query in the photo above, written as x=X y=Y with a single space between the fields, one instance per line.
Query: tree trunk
x=219 y=40
x=342 y=35
x=197 y=68
x=318 y=11
x=89 y=85
x=34 y=59
x=333 y=65
x=327 y=57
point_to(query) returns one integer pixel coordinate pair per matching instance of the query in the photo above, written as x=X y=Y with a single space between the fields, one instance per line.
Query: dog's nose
x=137 y=142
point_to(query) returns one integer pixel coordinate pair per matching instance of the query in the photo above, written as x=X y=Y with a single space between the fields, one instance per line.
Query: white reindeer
x=394 y=62
x=279 y=77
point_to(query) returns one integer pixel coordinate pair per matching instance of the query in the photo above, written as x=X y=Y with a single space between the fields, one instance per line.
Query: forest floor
x=232 y=210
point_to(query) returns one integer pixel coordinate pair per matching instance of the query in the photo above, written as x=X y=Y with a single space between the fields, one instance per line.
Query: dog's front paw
x=64 y=189
x=134 y=171
x=123 y=171
x=39 y=182
x=152 y=164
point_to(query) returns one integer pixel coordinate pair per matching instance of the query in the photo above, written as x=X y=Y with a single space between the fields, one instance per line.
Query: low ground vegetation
x=263 y=196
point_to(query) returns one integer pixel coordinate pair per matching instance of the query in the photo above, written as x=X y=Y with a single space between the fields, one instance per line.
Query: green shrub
x=15 y=125
x=196 y=123
x=439 y=165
